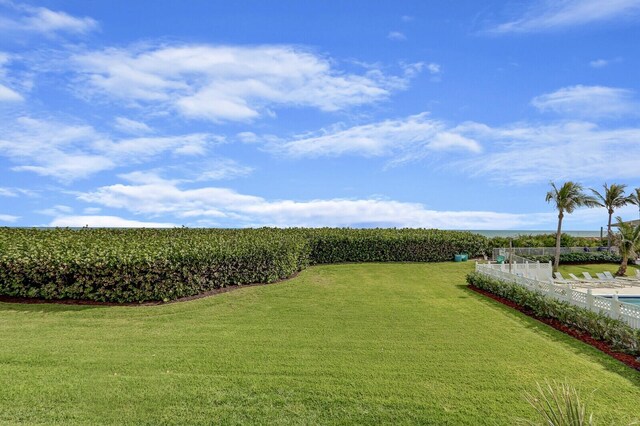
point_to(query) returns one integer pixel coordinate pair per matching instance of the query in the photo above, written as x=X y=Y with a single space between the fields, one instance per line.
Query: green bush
x=598 y=326
x=136 y=265
x=332 y=245
x=580 y=257
x=544 y=240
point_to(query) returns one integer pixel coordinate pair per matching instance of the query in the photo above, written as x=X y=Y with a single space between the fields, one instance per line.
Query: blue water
x=632 y=300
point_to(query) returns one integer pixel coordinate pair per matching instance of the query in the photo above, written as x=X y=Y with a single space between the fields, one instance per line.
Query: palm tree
x=634 y=198
x=613 y=198
x=629 y=243
x=566 y=199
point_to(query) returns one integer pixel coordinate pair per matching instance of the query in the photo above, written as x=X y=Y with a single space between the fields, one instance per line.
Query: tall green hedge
x=331 y=245
x=580 y=257
x=137 y=265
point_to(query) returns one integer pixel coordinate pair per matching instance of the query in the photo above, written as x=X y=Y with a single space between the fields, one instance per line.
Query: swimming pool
x=633 y=300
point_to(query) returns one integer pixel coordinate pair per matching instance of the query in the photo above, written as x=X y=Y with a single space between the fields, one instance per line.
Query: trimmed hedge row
x=137 y=265
x=142 y=264
x=545 y=240
x=599 y=326
x=331 y=245
x=581 y=257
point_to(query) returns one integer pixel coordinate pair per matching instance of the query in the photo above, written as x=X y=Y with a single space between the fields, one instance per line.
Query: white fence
x=611 y=307
x=523 y=268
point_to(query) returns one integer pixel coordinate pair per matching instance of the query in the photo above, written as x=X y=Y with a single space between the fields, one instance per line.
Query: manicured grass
x=367 y=344
x=592 y=269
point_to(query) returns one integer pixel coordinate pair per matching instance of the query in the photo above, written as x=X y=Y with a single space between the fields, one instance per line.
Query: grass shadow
x=576 y=346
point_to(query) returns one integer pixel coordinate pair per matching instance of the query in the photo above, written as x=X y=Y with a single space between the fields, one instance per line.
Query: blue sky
x=439 y=114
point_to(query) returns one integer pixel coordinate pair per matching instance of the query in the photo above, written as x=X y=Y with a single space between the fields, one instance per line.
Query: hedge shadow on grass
x=576 y=345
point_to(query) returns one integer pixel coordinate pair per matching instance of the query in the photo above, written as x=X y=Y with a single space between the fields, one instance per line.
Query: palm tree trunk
x=622 y=270
x=556 y=261
x=609 y=230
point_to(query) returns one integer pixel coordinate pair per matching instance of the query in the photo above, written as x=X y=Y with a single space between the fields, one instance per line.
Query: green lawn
x=370 y=343
x=592 y=269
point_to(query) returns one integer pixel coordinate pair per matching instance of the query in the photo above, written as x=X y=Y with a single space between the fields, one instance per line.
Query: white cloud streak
x=229 y=83
x=71 y=151
x=29 y=19
x=406 y=139
x=396 y=36
x=8 y=218
x=105 y=222
x=589 y=102
x=526 y=153
x=546 y=15
x=159 y=197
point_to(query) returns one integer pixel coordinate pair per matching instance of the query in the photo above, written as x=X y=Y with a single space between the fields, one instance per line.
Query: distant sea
x=515 y=233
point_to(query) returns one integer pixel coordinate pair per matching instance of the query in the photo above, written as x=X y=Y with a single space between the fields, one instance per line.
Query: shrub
x=544 y=240
x=558 y=404
x=332 y=245
x=599 y=326
x=142 y=264
x=136 y=265
x=581 y=257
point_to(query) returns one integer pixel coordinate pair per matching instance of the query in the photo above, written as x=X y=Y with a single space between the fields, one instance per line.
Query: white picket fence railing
x=523 y=268
x=611 y=307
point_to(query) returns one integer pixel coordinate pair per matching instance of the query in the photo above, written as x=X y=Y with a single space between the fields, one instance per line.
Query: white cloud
x=56 y=210
x=525 y=153
x=105 y=222
x=599 y=63
x=160 y=197
x=554 y=14
x=229 y=83
x=16 y=192
x=8 y=218
x=434 y=68
x=407 y=18
x=247 y=137
x=71 y=151
x=396 y=36
x=222 y=169
x=6 y=93
x=410 y=138
x=588 y=101
x=9 y=95
x=43 y=21
x=133 y=127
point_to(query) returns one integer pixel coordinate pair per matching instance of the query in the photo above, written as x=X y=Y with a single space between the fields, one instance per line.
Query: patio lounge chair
x=610 y=276
x=560 y=279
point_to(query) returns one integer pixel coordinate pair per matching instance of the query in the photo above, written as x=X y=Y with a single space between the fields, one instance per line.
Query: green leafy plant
x=580 y=257
x=558 y=404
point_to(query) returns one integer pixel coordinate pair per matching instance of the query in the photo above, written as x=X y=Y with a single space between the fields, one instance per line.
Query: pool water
x=633 y=300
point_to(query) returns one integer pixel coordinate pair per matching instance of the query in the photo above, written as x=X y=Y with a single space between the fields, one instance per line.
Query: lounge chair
x=573 y=277
x=610 y=276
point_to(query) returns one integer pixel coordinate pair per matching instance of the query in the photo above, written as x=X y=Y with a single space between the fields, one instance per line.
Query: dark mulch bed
x=627 y=359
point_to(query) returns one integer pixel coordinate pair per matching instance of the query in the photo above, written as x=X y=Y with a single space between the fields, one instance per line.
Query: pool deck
x=633 y=290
